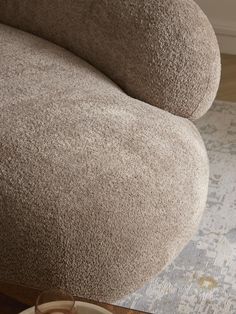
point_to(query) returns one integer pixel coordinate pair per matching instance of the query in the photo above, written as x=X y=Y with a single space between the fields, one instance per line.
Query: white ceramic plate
x=82 y=308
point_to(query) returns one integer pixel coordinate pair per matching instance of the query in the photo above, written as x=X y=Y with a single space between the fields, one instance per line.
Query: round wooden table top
x=15 y=299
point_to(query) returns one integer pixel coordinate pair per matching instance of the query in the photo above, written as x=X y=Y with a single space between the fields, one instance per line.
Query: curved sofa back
x=162 y=52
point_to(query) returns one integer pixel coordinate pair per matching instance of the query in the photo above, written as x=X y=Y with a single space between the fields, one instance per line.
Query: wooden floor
x=227 y=90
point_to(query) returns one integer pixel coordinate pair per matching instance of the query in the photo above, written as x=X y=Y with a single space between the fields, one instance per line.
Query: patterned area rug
x=202 y=279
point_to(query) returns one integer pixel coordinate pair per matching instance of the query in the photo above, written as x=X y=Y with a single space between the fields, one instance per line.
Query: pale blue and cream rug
x=203 y=278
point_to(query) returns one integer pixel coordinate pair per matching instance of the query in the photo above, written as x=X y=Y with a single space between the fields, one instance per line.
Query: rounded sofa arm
x=162 y=52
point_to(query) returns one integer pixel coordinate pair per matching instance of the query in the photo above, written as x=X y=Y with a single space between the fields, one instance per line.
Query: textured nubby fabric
x=98 y=191
x=163 y=52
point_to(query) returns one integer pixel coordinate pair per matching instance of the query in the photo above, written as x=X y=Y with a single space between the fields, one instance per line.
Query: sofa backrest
x=162 y=52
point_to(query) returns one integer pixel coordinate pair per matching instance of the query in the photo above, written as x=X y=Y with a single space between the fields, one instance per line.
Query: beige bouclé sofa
x=103 y=176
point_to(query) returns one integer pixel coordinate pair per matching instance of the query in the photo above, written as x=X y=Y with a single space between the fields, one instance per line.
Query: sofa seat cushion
x=98 y=191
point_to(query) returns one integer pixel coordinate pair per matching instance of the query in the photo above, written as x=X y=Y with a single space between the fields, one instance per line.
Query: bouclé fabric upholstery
x=99 y=188
x=163 y=52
